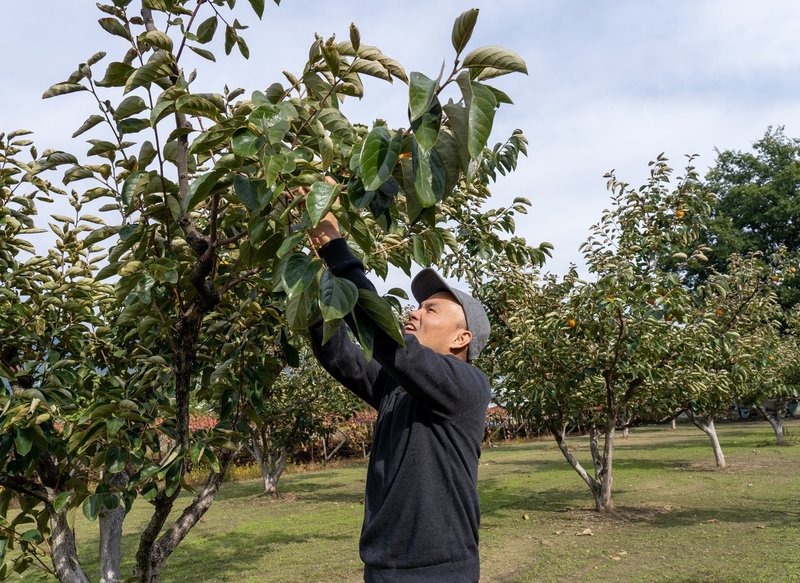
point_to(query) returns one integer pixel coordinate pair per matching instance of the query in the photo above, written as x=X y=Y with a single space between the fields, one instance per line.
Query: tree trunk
x=709 y=429
x=110 y=544
x=600 y=488
x=674 y=423
x=64 y=554
x=149 y=570
x=345 y=439
x=776 y=420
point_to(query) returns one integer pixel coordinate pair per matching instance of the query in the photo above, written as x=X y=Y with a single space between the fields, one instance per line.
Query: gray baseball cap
x=427 y=282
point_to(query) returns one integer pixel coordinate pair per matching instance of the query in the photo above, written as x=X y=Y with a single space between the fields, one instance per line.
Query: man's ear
x=461 y=340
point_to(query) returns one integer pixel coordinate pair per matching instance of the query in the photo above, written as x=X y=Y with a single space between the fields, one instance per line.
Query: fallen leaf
x=559 y=532
x=760 y=526
x=615 y=558
x=712 y=521
x=525 y=517
x=585 y=532
x=623 y=553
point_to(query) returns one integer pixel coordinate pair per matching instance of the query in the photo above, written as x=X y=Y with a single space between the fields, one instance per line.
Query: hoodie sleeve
x=445 y=384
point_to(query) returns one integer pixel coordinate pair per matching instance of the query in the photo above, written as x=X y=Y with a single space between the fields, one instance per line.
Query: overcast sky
x=611 y=85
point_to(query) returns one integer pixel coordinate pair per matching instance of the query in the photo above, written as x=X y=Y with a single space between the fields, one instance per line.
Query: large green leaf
x=248 y=189
x=297 y=312
x=159 y=66
x=117 y=75
x=129 y=106
x=381 y=313
x=481 y=116
x=298 y=273
x=245 y=143
x=421 y=91
x=209 y=105
x=206 y=30
x=92 y=506
x=116 y=458
x=462 y=29
x=496 y=58
x=319 y=200
x=337 y=296
x=458 y=116
x=429 y=177
x=379 y=156
x=426 y=127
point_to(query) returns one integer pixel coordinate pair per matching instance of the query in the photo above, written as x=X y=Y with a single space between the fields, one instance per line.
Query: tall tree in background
x=758 y=208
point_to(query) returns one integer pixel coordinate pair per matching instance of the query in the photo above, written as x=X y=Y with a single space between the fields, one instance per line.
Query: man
x=421 y=513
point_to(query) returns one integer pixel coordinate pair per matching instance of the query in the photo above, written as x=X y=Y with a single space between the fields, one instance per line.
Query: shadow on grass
x=712 y=516
x=209 y=558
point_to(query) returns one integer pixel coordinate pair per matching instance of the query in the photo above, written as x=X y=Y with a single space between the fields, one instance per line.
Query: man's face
x=439 y=323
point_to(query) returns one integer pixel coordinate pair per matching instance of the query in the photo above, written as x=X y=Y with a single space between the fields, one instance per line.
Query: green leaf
x=297 y=312
x=462 y=29
x=245 y=143
x=230 y=39
x=379 y=156
x=200 y=105
x=158 y=67
x=157 y=39
x=115 y=27
x=92 y=505
x=129 y=106
x=337 y=296
x=429 y=177
x=258 y=7
x=113 y=425
x=23 y=442
x=204 y=53
x=116 y=458
x=289 y=243
x=458 y=116
x=496 y=58
x=32 y=536
x=117 y=75
x=248 y=190
x=426 y=127
x=365 y=330
x=481 y=116
x=206 y=30
x=298 y=273
x=100 y=234
x=381 y=313
x=63 y=89
x=421 y=91
x=90 y=122
x=61 y=501
x=201 y=188
x=319 y=200
x=134 y=184
x=371 y=68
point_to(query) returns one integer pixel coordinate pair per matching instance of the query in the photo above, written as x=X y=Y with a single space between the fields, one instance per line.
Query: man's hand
x=328 y=228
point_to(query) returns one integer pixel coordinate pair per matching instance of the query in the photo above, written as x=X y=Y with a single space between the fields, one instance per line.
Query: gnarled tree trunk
x=600 y=483
x=271 y=460
x=64 y=553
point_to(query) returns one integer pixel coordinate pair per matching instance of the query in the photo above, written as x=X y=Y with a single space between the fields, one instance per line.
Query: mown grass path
x=677 y=518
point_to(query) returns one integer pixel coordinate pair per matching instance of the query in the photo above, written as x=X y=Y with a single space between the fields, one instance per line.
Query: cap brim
x=427 y=282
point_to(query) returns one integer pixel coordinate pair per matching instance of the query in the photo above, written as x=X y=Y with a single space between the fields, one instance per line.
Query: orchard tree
x=733 y=329
x=212 y=194
x=597 y=353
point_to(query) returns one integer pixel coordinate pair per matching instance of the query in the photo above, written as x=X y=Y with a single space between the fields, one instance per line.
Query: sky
x=610 y=86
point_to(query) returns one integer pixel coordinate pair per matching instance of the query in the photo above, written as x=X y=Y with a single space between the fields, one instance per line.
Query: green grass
x=677 y=518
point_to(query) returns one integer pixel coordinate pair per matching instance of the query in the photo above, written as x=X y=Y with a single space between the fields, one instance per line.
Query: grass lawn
x=677 y=517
